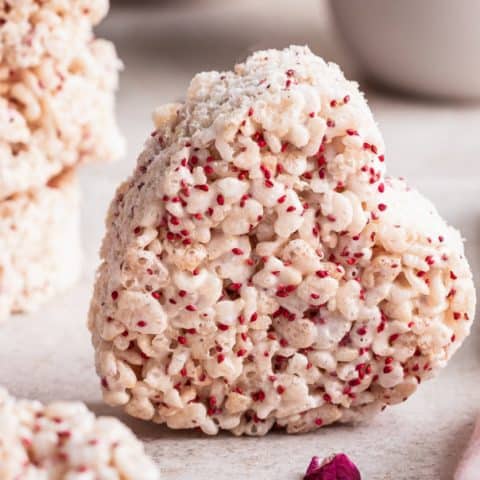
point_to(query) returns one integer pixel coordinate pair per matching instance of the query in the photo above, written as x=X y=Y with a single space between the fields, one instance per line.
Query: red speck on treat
x=258 y=396
x=142 y=323
x=182 y=340
x=362 y=331
x=208 y=169
x=382 y=207
x=237 y=251
x=191 y=308
x=220 y=199
x=392 y=338
x=220 y=358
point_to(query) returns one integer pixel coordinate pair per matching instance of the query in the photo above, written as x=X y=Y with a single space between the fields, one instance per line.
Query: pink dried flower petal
x=469 y=466
x=337 y=467
x=314 y=465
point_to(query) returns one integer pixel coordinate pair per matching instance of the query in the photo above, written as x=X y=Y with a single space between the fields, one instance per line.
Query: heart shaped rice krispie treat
x=39 y=244
x=260 y=269
x=57 y=85
x=65 y=441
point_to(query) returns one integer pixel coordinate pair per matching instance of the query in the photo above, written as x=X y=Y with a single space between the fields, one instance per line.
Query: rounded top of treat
x=277 y=89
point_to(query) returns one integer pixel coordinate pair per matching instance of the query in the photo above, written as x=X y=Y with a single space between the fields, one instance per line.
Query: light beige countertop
x=437 y=146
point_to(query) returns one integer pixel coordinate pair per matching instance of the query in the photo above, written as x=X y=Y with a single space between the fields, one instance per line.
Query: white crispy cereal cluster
x=260 y=269
x=40 y=250
x=57 y=86
x=65 y=441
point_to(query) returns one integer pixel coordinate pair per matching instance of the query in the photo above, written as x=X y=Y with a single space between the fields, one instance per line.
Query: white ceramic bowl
x=429 y=47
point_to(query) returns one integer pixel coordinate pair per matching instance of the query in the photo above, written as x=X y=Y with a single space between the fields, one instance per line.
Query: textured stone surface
x=435 y=146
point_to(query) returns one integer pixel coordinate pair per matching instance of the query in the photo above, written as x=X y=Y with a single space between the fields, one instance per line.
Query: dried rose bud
x=336 y=467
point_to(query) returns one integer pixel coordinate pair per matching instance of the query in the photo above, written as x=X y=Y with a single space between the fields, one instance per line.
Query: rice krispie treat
x=260 y=269
x=31 y=30
x=65 y=441
x=39 y=244
x=57 y=86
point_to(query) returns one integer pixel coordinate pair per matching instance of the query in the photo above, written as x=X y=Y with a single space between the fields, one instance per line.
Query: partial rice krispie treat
x=65 y=441
x=31 y=30
x=55 y=112
x=39 y=244
x=259 y=269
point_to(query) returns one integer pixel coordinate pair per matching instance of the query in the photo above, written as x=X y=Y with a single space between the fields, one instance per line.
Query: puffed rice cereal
x=57 y=85
x=259 y=269
x=39 y=244
x=65 y=441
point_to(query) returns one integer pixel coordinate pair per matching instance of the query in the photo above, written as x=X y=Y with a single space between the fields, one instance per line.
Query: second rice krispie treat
x=65 y=441
x=260 y=269
x=31 y=30
x=39 y=244
x=57 y=84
